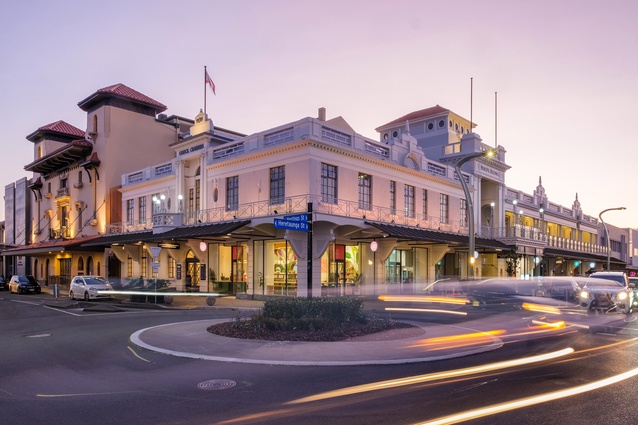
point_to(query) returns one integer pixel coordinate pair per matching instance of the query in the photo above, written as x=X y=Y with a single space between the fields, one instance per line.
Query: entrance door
x=192 y=275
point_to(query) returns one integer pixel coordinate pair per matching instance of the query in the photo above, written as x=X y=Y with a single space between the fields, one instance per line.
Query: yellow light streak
x=382 y=385
x=426 y=310
x=530 y=401
x=542 y=308
x=424 y=299
x=454 y=341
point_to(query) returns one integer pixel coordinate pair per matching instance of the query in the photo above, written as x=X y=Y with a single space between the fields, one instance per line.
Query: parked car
x=89 y=288
x=24 y=284
x=3 y=284
x=565 y=288
x=606 y=295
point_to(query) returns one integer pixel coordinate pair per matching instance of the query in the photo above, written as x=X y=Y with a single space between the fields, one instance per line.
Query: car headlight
x=584 y=294
x=622 y=296
x=93 y=289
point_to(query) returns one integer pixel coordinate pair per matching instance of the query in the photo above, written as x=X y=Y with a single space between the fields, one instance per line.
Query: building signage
x=191 y=149
x=168 y=245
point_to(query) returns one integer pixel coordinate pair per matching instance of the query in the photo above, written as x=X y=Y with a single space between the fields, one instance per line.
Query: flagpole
x=204 y=90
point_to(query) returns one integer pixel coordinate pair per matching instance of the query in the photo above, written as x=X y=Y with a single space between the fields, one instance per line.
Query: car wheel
x=86 y=296
x=71 y=295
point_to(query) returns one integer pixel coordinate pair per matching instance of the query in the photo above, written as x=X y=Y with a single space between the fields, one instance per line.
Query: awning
x=76 y=244
x=414 y=234
x=582 y=256
x=198 y=231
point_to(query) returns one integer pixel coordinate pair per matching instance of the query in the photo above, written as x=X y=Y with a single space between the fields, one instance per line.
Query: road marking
x=25 y=302
x=84 y=394
x=138 y=356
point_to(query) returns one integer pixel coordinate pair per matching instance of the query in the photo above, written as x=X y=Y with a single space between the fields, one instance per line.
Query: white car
x=606 y=295
x=90 y=288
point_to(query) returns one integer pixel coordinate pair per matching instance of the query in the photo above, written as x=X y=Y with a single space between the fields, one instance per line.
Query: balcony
x=60 y=233
x=62 y=192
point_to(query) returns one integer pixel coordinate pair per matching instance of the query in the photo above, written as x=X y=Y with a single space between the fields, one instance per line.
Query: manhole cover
x=216 y=384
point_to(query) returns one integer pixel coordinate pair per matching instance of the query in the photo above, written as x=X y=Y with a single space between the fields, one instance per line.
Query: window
x=277 y=185
x=141 y=209
x=144 y=263
x=232 y=193
x=94 y=123
x=129 y=267
x=408 y=199
x=444 y=212
x=64 y=183
x=198 y=191
x=425 y=204
x=79 y=177
x=130 y=211
x=393 y=197
x=365 y=191
x=464 y=221
x=171 y=267
x=328 y=183
x=156 y=205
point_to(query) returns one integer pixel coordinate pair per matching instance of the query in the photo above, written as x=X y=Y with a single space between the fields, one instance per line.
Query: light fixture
x=202 y=246
x=373 y=246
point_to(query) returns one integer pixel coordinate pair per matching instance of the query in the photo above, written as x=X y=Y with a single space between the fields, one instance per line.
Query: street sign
x=302 y=226
x=297 y=217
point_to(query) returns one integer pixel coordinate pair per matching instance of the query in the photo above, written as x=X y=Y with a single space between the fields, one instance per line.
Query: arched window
x=94 y=123
x=80 y=265
x=89 y=266
x=99 y=273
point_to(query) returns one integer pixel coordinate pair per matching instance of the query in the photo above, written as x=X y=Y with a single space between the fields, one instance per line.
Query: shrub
x=309 y=314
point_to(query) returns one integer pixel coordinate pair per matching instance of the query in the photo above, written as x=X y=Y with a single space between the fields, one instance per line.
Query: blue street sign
x=302 y=226
x=296 y=217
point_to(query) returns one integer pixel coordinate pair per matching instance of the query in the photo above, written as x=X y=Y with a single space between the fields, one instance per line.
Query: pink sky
x=565 y=73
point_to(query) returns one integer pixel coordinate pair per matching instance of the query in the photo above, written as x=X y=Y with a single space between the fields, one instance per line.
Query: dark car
x=3 y=284
x=21 y=284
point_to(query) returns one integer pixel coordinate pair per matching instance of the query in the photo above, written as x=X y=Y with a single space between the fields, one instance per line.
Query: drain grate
x=216 y=384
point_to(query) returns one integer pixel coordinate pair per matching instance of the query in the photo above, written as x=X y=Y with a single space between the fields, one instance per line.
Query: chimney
x=322 y=114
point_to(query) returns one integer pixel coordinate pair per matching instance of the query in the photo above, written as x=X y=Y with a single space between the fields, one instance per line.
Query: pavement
x=423 y=343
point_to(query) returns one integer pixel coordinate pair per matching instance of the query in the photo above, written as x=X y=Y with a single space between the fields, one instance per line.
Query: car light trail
x=541 y=308
x=434 y=376
x=530 y=401
x=426 y=310
x=455 y=341
x=424 y=299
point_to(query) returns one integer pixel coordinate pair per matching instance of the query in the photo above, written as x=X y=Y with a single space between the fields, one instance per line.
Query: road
x=79 y=367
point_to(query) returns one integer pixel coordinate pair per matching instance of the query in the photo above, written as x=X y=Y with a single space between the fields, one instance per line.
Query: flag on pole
x=209 y=81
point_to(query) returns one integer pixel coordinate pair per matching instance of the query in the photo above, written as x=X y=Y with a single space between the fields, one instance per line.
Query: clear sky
x=565 y=72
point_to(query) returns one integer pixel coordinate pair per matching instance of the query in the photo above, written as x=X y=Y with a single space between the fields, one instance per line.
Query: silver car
x=607 y=296
x=90 y=288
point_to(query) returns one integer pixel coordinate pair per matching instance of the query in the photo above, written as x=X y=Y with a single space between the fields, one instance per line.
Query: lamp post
x=470 y=204
x=607 y=233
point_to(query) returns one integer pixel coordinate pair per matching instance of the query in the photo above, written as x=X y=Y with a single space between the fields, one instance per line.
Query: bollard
x=56 y=291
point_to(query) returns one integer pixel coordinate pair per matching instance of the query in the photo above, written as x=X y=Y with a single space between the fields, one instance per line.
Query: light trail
x=433 y=376
x=426 y=310
x=529 y=401
x=424 y=299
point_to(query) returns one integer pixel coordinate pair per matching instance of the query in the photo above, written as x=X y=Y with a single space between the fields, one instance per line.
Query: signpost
x=301 y=223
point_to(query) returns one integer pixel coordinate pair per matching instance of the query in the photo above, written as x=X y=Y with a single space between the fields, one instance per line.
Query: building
x=73 y=195
x=309 y=207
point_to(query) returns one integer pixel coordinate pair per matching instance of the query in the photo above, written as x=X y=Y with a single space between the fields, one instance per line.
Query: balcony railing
x=352 y=209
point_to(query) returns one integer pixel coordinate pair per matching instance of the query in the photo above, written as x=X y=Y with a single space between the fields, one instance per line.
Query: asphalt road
x=76 y=367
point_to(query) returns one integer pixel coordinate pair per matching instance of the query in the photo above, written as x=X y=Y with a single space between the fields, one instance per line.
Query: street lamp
x=470 y=204
x=607 y=233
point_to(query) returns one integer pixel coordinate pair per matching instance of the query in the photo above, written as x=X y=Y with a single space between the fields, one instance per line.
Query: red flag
x=209 y=81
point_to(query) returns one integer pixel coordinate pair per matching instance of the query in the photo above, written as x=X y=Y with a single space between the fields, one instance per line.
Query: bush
x=312 y=314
